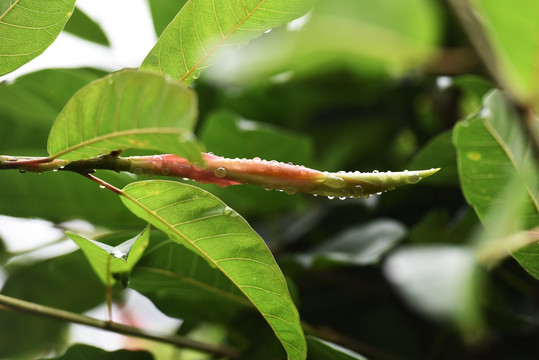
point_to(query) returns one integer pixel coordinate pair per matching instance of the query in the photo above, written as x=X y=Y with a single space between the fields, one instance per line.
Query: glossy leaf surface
x=107 y=260
x=182 y=284
x=28 y=27
x=127 y=109
x=490 y=149
x=205 y=28
x=203 y=223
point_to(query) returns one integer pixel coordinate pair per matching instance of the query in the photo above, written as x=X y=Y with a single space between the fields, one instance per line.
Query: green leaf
x=163 y=11
x=59 y=196
x=358 y=245
x=438 y=152
x=60 y=282
x=28 y=27
x=107 y=260
x=202 y=222
x=29 y=105
x=127 y=109
x=86 y=352
x=205 y=28
x=513 y=30
x=83 y=26
x=384 y=42
x=324 y=350
x=491 y=149
x=182 y=284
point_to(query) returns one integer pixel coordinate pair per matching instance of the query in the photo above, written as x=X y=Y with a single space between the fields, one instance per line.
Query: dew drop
x=22 y=171
x=382 y=176
x=55 y=170
x=290 y=190
x=228 y=211
x=333 y=181
x=413 y=178
x=165 y=171
x=267 y=31
x=396 y=176
x=220 y=172
x=210 y=153
x=196 y=76
x=342 y=197
x=358 y=190
x=379 y=193
x=331 y=197
x=268 y=187
x=118 y=254
x=102 y=186
x=375 y=171
x=186 y=179
x=257 y=159
x=315 y=195
x=138 y=171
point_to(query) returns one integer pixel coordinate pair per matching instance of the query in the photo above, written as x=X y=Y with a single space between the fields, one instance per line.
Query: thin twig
x=46 y=311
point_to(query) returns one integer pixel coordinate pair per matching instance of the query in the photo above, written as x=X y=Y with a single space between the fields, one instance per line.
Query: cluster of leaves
x=355 y=85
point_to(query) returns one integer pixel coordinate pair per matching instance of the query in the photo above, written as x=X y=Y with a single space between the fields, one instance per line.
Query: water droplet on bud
x=342 y=197
x=165 y=171
x=220 y=172
x=102 y=186
x=358 y=190
x=290 y=190
x=138 y=171
x=268 y=187
x=331 y=197
x=333 y=181
x=22 y=171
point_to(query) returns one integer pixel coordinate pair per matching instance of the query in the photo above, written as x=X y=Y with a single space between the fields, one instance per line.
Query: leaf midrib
x=9 y=9
x=499 y=140
x=224 y=39
x=94 y=140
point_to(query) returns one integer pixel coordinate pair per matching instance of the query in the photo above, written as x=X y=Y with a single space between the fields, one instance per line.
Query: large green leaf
x=107 y=260
x=183 y=285
x=127 y=109
x=202 y=222
x=84 y=27
x=385 y=36
x=491 y=149
x=205 y=28
x=28 y=27
x=513 y=30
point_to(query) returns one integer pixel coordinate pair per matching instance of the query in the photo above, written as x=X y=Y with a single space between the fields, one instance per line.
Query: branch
x=272 y=175
x=46 y=311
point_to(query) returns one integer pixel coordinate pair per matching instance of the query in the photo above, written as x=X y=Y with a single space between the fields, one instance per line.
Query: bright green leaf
x=205 y=28
x=513 y=29
x=491 y=149
x=86 y=352
x=202 y=222
x=182 y=284
x=107 y=260
x=28 y=27
x=163 y=11
x=324 y=350
x=382 y=37
x=127 y=109
x=84 y=27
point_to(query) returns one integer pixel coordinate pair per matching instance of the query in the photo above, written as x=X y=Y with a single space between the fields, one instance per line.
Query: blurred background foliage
x=353 y=85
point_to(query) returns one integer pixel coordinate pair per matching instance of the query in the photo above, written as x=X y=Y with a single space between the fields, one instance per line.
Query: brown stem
x=46 y=311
